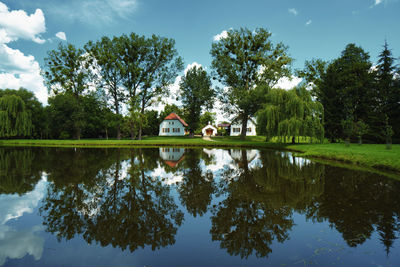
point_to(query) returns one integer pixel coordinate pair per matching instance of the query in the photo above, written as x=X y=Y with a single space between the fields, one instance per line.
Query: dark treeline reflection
x=126 y=198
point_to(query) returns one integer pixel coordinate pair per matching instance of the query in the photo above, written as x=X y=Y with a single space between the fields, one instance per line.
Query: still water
x=191 y=207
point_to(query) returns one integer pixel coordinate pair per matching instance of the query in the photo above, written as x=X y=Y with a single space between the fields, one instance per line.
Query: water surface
x=191 y=207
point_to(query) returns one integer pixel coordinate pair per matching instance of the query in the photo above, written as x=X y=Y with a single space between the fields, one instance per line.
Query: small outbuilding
x=209 y=130
x=172 y=125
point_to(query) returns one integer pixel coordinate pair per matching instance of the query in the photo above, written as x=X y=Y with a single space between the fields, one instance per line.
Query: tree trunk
x=118 y=132
x=244 y=128
x=293 y=140
x=78 y=133
x=106 y=133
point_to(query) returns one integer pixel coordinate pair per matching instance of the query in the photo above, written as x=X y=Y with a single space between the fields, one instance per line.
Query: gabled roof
x=174 y=116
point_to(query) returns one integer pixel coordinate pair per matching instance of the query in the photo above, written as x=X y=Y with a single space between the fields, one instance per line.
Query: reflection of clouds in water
x=14 y=206
x=297 y=161
x=16 y=244
x=122 y=173
x=167 y=178
x=221 y=159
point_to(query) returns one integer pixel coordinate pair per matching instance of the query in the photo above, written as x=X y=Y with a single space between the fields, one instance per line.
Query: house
x=172 y=156
x=172 y=125
x=225 y=128
x=236 y=127
x=209 y=130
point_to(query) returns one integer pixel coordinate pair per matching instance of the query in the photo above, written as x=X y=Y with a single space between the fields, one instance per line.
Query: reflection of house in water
x=172 y=156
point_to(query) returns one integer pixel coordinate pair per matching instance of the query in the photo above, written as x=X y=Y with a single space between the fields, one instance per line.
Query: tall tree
x=388 y=93
x=109 y=65
x=248 y=64
x=15 y=121
x=151 y=66
x=196 y=94
x=68 y=71
x=346 y=90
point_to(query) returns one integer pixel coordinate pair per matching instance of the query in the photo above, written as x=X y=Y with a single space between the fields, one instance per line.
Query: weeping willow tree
x=15 y=120
x=291 y=114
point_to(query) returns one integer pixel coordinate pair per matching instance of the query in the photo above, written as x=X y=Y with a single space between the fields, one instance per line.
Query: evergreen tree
x=388 y=94
x=346 y=91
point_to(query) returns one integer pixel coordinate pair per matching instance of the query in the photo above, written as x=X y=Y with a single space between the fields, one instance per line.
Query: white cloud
x=17 y=69
x=293 y=11
x=308 y=22
x=222 y=35
x=61 y=35
x=288 y=83
x=377 y=2
x=17 y=24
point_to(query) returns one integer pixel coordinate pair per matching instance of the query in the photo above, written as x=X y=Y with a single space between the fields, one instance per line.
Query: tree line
x=108 y=87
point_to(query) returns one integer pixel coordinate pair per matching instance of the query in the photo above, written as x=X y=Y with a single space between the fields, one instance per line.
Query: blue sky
x=311 y=28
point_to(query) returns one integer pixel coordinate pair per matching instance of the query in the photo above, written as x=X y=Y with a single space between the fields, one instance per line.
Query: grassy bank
x=367 y=155
x=370 y=155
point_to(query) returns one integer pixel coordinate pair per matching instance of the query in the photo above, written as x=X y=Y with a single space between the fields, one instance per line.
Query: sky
x=310 y=29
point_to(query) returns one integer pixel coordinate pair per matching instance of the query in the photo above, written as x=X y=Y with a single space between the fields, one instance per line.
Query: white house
x=209 y=130
x=236 y=127
x=172 y=125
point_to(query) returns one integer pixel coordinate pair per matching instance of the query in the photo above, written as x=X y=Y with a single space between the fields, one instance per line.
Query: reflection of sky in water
x=16 y=243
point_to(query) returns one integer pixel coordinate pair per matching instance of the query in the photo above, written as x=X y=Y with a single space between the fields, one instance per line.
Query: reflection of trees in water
x=196 y=188
x=357 y=203
x=259 y=203
x=20 y=169
x=109 y=196
x=129 y=211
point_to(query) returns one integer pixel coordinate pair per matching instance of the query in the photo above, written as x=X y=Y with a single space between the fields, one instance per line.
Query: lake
x=192 y=207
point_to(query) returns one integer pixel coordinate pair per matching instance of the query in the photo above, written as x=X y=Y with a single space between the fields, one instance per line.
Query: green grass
x=370 y=156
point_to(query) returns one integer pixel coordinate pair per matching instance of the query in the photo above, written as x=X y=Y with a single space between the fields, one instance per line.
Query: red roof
x=174 y=116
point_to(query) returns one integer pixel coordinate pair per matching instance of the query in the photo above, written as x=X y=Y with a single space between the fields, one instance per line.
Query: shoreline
x=370 y=156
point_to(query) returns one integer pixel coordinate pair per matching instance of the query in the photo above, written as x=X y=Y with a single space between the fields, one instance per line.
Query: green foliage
x=205 y=118
x=34 y=109
x=346 y=89
x=150 y=66
x=291 y=113
x=68 y=71
x=109 y=65
x=248 y=64
x=15 y=121
x=196 y=94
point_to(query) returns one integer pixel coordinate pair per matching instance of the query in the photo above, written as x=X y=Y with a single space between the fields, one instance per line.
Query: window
x=236 y=130
x=249 y=130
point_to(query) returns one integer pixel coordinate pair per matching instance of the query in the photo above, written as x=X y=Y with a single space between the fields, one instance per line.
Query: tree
x=151 y=65
x=291 y=113
x=388 y=94
x=15 y=121
x=109 y=65
x=346 y=90
x=33 y=107
x=248 y=64
x=68 y=71
x=196 y=93
x=312 y=74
